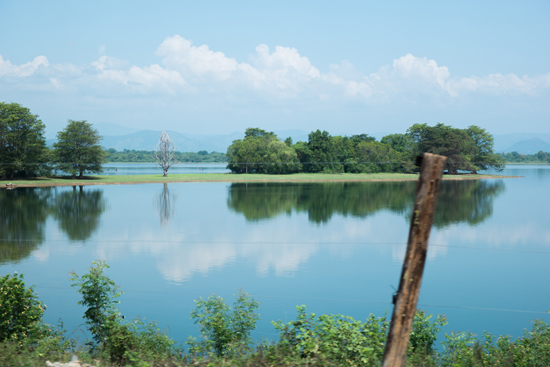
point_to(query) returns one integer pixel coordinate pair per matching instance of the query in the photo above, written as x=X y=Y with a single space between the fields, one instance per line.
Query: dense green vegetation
x=261 y=151
x=145 y=156
x=514 y=157
x=309 y=340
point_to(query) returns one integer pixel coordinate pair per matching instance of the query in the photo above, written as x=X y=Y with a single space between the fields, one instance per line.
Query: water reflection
x=78 y=212
x=165 y=205
x=24 y=211
x=468 y=201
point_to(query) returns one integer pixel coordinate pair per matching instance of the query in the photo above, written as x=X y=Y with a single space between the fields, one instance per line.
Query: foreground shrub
x=98 y=294
x=140 y=341
x=338 y=338
x=532 y=349
x=120 y=343
x=20 y=310
x=225 y=331
x=347 y=341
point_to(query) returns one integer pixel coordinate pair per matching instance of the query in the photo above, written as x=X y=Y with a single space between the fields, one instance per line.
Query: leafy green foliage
x=261 y=152
x=424 y=333
x=338 y=338
x=23 y=149
x=225 y=331
x=464 y=349
x=139 y=341
x=77 y=149
x=20 y=310
x=98 y=294
x=346 y=341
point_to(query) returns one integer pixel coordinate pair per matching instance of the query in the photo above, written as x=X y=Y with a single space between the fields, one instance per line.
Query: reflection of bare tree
x=165 y=205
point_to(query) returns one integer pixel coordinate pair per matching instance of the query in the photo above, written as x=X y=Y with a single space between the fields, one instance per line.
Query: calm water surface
x=335 y=247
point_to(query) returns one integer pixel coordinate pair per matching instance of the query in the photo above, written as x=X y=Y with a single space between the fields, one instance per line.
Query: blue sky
x=219 y=66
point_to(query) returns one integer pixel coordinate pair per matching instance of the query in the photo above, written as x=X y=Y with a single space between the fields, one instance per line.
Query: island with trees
x=468 y=150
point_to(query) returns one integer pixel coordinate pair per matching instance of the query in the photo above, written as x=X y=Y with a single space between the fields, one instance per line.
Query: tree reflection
x=23 y=213
x=165 y=205
x=469 y=201
x=78 y=212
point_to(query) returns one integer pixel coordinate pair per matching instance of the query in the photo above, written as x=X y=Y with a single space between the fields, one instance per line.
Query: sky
x=217 y=67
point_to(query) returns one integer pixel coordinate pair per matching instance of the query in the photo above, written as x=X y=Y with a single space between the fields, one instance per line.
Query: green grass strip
x=225 y=177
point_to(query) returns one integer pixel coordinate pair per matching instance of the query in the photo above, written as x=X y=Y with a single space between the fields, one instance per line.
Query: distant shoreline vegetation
x=515 y=157
x=146 y=156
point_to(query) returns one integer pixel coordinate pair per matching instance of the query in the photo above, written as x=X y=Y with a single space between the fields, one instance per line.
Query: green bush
x=424 y=333
x=140 y=341
x=347 y=341
x=98 y=294
x=224 y=331
x=338 y=338
x=121 y=343
x=20 y=310
x=464 y=349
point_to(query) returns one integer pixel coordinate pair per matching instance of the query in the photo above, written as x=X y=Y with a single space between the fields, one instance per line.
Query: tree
x=323 y=153
x=77 y=149
x=455 y=144
x=22 y=142
x=164 y=153
x=484 y=157
x=251 y=154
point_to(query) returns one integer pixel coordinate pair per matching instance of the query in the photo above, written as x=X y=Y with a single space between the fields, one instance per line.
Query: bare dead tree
x=164 y=153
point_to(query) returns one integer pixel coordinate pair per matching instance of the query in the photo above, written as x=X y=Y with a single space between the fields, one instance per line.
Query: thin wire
x=275 y=242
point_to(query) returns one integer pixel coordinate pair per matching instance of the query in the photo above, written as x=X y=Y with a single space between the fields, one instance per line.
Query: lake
x=335 y=247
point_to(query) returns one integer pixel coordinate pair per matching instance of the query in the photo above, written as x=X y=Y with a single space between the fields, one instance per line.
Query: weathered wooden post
x=427 y=190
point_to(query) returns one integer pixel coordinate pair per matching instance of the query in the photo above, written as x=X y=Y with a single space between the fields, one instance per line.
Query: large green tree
x=484 y=157
x=455 y=144
x=23 y=149
x=260 y=152
x=77 y=149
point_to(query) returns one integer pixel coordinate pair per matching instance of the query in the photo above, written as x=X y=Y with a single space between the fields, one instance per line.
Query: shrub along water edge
x=310 y=340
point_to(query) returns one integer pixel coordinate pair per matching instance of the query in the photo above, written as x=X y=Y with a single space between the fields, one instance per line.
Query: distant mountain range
x=121 y=137
x=524 y=143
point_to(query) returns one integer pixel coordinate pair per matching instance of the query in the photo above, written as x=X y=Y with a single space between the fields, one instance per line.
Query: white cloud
x=409 y=66
x=23 y=70
x=282 y=73
x=179 y=53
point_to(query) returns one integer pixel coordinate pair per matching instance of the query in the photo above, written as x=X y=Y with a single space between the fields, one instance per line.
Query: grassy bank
x=221 y=177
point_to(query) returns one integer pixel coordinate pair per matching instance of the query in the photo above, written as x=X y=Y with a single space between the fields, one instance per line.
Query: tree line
x=515 y=157
x=261 y=151
x=146 y=156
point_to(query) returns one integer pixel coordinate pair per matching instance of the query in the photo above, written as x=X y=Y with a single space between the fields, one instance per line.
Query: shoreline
x=236 y=178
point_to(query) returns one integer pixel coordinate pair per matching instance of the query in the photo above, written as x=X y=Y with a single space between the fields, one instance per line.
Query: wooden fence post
x=427 y=190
